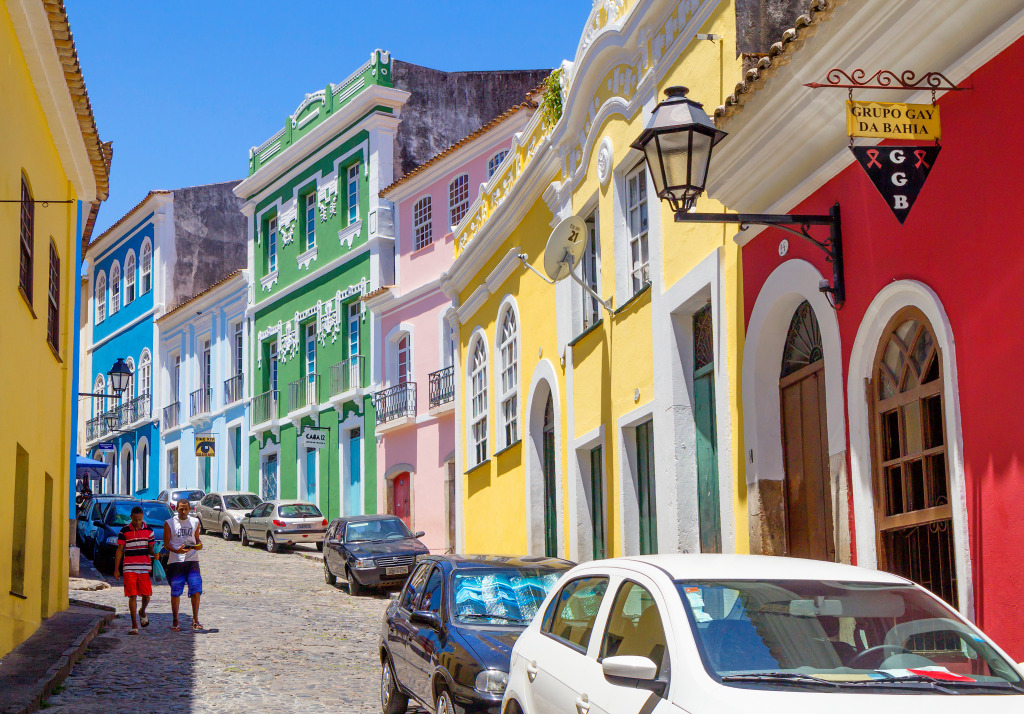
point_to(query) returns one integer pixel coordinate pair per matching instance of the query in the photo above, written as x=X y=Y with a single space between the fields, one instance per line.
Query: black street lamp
x=120 y=375
x=677 y=143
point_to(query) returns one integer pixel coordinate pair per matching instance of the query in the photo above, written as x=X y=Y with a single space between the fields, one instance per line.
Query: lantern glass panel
x=654 y=164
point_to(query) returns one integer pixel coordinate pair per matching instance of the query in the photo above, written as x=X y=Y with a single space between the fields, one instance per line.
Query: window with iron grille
x=703 y=338
x=115 y=288
x=458 y=199
x=422 y=226
x=508 y=349
x=28 y=220
x=636 y=224
x=53 y=302
x=478 y=404
x=495 y=162
x=353 y=193
x=101 y=297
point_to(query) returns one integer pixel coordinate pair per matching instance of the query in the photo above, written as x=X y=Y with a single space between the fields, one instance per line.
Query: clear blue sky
x=184 y=88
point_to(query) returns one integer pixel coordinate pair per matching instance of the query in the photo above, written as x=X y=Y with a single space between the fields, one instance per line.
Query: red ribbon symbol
x=920 y=154
x=873 y=155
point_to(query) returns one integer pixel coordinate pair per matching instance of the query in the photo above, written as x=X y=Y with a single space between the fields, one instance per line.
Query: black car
x=118 y=515
x=447 y=638
x=370 y=552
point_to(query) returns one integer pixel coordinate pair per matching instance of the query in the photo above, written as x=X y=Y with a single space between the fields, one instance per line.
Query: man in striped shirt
x=134 y=556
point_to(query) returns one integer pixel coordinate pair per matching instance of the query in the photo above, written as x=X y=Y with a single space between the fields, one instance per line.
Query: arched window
x=458 y=199
x=99 y=387
x=143 y=468
x=101 y=297
x=115 y=288
x=147 y=267
x=145 y=373
x=911 y=475
x=508 y=353
x=495 y=162
x=129 y=278
x=803 y=341
x=129 y=391
x=478 y=403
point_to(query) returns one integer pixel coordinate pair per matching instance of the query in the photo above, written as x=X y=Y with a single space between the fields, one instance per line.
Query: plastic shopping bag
x=158 y=571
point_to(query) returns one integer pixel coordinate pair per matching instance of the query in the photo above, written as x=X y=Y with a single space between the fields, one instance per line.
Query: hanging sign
x=883 y=120
x=106 y=447
x=898 y=172
x=314 y=438
x=205 y=445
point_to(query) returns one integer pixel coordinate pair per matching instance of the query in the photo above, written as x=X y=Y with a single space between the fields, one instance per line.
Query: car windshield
x=380 y=529
x=299 y=510
x=243 y=502
x=189 y=495
x=839 y=635
x=506 y=596
x=155 y=514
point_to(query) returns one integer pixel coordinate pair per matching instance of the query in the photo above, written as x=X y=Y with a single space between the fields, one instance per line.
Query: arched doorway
x=550 y=487
x=126 y=470
x=400 y=486
x=808 y=495
x=913 y=514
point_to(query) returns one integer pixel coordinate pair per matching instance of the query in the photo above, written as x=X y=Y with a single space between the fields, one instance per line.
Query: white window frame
x=422 y=223
x=636 y=204
x=145 y=373
x=129 y=393
x=115 y=288
x=353 y=328
x=272 y=245
x=495 y=161
x=146 y=267
x=590 y=273
x=99 y=387
x=101 y=297
x=403 y=358
x=310 y=349
x=352 y=192
x=174 y=378
x=478 y=403
x=206 y=365
x=129 y=278
x=273 y=366
x=239 y=366
x=507 y=380
x=310 y=219
x=458 y=199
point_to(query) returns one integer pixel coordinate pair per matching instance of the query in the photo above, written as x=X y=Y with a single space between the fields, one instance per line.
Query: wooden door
x=597 y=502
x=401 y=491
x=648 y=512
x=709 y=508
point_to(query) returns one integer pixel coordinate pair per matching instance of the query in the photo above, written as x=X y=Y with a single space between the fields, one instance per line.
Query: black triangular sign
x=898 y=172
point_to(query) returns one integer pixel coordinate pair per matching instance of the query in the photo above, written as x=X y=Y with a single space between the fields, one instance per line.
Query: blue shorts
x=180 y=573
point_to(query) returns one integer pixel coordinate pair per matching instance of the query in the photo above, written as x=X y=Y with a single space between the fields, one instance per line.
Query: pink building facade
x=413 y=356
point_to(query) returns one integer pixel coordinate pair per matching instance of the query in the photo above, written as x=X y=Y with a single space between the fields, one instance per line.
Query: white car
x=706 y=634
x=221 y=512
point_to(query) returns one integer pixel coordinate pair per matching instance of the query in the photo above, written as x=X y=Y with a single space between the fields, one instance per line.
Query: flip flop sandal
x=144 y=621
x=175 y=628
x=133 y=631
x=196 y=625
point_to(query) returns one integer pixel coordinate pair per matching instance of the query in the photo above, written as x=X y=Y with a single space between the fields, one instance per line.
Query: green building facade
x=319 y=240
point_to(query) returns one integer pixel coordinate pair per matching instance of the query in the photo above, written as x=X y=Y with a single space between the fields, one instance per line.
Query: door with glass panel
x=355 y=451
x=311 y=475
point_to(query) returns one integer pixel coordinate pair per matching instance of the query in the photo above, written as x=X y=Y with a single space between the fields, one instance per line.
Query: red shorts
x=137 y=584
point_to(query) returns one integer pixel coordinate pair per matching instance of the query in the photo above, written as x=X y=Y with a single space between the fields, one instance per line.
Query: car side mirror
x=420 y=534
x=629 y=670
x=247 y=515
x=97 y=523
x=425 y=618
x=217 y=508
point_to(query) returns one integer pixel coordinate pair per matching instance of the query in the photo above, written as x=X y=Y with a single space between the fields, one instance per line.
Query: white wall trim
x=544 y=376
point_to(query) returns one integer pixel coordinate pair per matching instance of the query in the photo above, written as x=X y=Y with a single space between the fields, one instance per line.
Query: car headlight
x=365 y=563
x=112 y=540
x=491 y=681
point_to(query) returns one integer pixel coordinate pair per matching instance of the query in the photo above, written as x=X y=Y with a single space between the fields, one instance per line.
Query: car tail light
x=278 y=523
x=323 y=522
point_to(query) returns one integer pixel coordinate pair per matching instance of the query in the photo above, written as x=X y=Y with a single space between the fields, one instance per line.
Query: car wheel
x=320 y=546
x=226 y=531
x=243 y=536
x=392 y=701
x=354 y=588
x=444 y=703
x=329 y=577
x=271 y=543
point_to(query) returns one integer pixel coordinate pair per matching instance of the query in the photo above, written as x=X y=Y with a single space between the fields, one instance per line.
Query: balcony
x=199 y=402
x=234 y=389
x=172 y=415
x=345 y=376
x=118 y=417
x=395 y=406
x=264 y=407
x=303 y=397
x=441 y=389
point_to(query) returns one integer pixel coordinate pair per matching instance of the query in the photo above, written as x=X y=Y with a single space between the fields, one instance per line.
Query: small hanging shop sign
x=898 y=172
x=886 y=120
x=206 y=445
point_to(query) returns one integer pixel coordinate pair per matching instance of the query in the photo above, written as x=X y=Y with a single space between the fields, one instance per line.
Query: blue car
x=119 y=514
x=93 y=510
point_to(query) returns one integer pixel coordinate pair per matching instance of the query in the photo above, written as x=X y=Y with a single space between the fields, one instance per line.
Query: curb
x=64 y=664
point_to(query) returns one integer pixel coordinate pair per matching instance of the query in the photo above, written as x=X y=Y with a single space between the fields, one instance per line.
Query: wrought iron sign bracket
x=831 y=246
x=45 y=203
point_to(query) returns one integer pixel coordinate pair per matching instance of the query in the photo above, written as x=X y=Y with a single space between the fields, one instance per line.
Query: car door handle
x=582 y=704
x=531 y=670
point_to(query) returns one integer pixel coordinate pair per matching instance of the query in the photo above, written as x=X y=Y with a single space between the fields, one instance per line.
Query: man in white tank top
x=181 y=539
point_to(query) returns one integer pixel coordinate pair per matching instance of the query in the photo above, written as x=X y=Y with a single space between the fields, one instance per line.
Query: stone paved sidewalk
x=278 y=638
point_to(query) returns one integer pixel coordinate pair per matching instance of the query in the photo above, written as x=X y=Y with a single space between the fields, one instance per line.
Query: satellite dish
x=565 y=247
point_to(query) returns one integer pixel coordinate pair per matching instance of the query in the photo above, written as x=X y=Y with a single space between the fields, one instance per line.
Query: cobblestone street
x=277 y=638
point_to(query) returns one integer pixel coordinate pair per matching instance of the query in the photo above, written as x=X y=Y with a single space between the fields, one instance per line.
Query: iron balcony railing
x=234 y=388
x=199 y=401
x=118 y=417
x=395 y=402
x=172 y=415
x=346 y=375
x=135 y=410
x=441 y=388
x=264 y=406
x=304 y=392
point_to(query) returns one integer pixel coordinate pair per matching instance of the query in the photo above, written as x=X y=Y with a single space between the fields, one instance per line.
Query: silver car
x=279 y=523
x=173 y=495
x=221 y=512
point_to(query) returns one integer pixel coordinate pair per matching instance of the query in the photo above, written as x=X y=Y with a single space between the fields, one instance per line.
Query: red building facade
x=887 y=433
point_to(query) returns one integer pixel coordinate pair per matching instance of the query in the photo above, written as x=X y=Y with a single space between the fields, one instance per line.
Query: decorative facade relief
x=327 y=198
x=286 y=223
x=330 y=316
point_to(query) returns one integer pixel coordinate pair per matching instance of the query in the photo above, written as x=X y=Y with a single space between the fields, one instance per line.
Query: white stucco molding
x=891 y=299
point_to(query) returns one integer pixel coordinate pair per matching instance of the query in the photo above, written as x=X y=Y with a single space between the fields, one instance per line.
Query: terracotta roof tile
x=185 y=303
x=125 y=217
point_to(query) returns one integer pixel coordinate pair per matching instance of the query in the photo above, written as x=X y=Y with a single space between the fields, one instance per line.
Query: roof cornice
x=151 y=203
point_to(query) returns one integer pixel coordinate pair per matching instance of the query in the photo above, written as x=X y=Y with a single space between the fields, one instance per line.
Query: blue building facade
x=203 y=351
x=123 y=430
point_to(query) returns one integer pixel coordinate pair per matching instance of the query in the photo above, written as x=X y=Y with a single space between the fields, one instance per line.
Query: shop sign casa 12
x=898 y=172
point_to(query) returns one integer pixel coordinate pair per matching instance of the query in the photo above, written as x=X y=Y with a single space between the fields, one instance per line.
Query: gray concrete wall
x=209 y=238
x=760 y=23
x=447 y=106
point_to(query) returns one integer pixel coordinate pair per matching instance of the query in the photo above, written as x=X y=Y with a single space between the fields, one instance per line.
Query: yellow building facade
x=589 y=431
x=49 y=152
